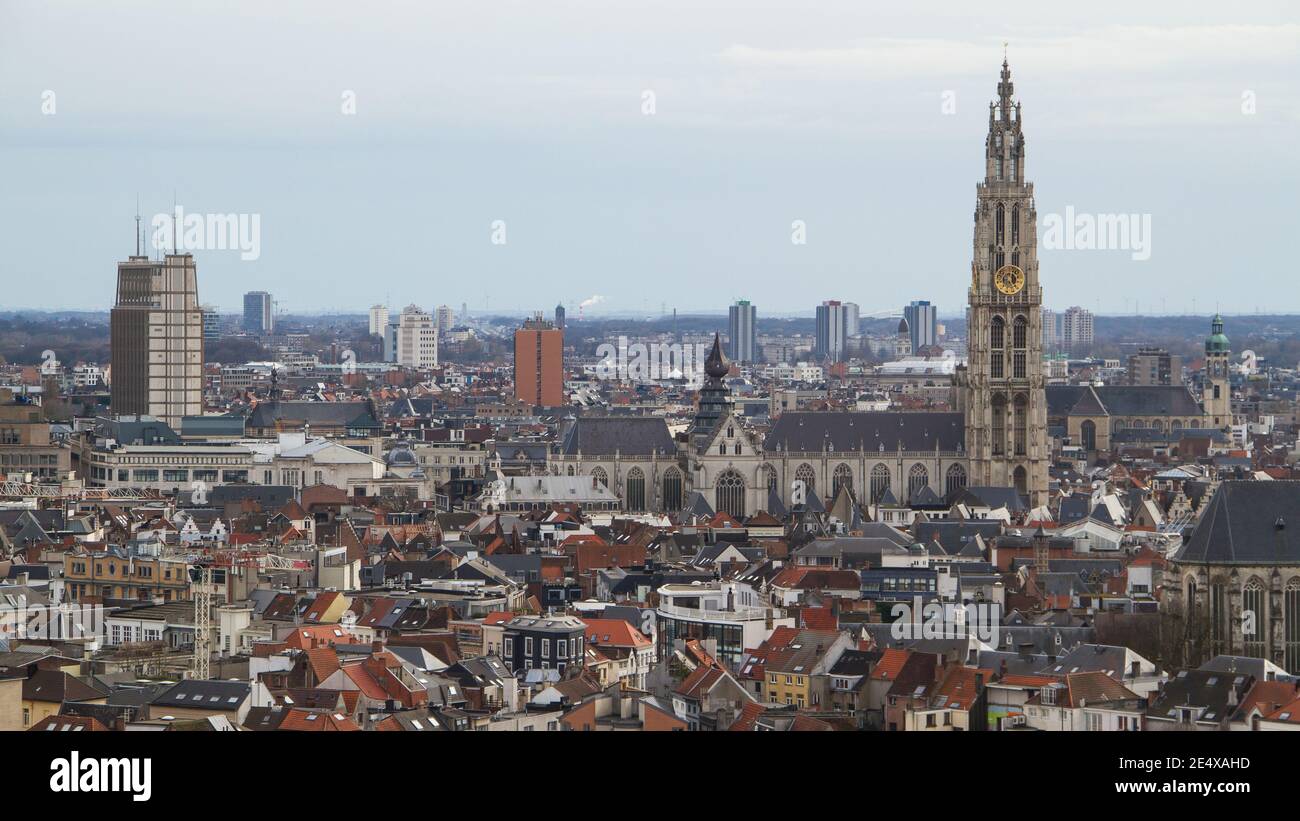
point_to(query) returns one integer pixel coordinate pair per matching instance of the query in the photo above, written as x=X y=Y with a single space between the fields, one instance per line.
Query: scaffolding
x=201 y=592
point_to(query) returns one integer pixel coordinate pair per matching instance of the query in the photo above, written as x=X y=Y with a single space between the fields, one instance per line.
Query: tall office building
x=539 y=363
x=559 y=317
x=444 y=318
x=211 y=322
x=378 y=319
x=156 y=333
x=1155 y=366
x=1076 y=327
x=742 y=337
x=416 y=339
x=923 y=324
x=836 y=322
x=1051 y=330
x=259 y=313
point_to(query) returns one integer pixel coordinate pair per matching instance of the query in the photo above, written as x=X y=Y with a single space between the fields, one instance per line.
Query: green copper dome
x=1217 y=342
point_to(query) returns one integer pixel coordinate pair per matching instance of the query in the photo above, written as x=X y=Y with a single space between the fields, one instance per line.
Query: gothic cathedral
x=1005 y=404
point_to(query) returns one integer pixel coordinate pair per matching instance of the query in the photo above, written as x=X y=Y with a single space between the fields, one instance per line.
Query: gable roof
x=628 y=435
x=1247 y=522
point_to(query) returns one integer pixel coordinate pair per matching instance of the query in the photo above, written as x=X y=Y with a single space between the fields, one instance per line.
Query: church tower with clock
x=1005 y=403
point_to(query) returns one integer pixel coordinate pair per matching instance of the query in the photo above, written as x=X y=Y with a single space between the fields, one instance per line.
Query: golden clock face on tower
x=1009 y=279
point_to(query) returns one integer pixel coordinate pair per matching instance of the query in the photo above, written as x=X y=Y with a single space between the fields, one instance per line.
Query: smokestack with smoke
x=589 y=302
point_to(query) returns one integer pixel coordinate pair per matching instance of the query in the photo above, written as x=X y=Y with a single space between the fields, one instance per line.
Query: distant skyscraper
x=259 y=315
x=211 y=323
x=836 y=322
x=1051 y=329
x=559 y=317
x=742 y=336
x=156 y=332
x=378 y=319
x=1076 y=327
x=539 y=363
x=923 y=324
x=445 y=318
x=416 y=339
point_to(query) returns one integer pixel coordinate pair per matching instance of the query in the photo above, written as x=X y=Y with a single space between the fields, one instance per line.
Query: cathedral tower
x=1006 y=408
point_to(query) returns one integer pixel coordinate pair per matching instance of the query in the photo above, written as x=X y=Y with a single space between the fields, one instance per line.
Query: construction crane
x=201 y=592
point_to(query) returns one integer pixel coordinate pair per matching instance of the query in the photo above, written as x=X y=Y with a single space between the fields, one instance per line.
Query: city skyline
x=751 y=130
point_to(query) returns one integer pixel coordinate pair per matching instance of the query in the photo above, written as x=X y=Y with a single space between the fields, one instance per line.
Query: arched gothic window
x=729 y=493
x=917 y=478
x=1291 y=624
x=1254 y=621
x=879 y=482
x=843 y=478
x=955 y=480
x=804 y=473
x=635 y=500
x=672 y=489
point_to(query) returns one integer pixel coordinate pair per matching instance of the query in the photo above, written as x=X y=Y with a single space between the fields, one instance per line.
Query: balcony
x=737 y=614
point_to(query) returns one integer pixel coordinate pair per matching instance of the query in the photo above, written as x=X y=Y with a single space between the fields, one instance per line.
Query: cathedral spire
x=716 y=367
x=1005 y=89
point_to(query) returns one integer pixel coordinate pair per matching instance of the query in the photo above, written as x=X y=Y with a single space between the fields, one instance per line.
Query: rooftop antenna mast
x=138 y=235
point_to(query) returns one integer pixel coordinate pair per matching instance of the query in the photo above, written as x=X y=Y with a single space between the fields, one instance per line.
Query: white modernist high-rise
x=416 y=342
x=378 y=319
x=444 y=318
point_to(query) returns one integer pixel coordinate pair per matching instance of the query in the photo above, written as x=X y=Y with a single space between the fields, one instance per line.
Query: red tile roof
x=818 y=618
x=317 y=721
x=891 y=662
x=324 y=662
x=749 y=715
x=614 y=633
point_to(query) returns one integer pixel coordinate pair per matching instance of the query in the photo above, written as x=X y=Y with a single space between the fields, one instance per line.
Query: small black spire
x=716 y=367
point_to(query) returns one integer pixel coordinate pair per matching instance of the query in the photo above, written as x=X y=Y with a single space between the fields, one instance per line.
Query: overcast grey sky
x=532 y=113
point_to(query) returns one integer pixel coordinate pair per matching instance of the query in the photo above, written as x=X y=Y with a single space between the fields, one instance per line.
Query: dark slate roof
x=629 y=435
x=1148 y=400
x=1206 y=690
x=774 y=504
x=1087 y=658
x=1077 y=400
x=1121 y=400
x=270 y=497
x=1073 y=508
x=209 y=694
x=993 y=497
x=955 y=534
x=411 y=407
x=35 y=572
x=230 y=424
x=696 y=504
x=925 y=497
x=811 y=431
x=1248 y=522
x=345 y=414
x=136 y=430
